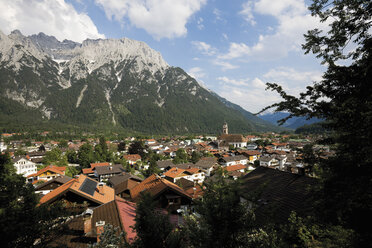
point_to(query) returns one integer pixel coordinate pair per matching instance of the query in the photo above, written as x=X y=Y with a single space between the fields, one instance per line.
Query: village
x=174 y=171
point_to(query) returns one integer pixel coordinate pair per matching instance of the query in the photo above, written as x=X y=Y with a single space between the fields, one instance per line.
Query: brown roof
x=118 y=213
x=249 y=152
x=205 y=164
x=154 y=184
x=99 y=196
x=118 y=179
x=111 y=169
x=234 y=158
x=60 y=180
x=232 y=138
x=281 y=192
x=164 y=163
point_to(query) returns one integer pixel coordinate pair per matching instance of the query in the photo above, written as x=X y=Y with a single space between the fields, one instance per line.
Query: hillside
x=118 y=84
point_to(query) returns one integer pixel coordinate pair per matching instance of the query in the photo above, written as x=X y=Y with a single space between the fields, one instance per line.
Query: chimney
x=100 y=187
x=110 y=168
x=100 y=228
x=87 y=217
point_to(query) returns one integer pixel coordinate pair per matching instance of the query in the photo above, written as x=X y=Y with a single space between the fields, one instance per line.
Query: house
x=24 y=166
x=168 y=195
x=150 y=142
x=132 y=158
x=236 y=167
x=37 y=156
x=103 y=173
x=80 y=193
x=252 y=155
x=193 y=189
x=165 y=164
x=232 y=160
x=3 y=146
x=207 y=165
x=193 y=174
x=123 y=183
x=84 y=230
x=279 y=192
x=90 y=171
x=47 y=173
x=281 y=146
x=50 y=185
x=269 y=161
x=235 y=140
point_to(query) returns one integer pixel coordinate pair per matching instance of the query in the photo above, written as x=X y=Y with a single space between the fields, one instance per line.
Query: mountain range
x=292 y=123
x=118 y=84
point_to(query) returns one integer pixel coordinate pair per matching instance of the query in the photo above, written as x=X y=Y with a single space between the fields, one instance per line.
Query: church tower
x=225 y=128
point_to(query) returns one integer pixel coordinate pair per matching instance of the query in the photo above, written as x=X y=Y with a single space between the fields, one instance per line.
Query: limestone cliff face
x=112 y=82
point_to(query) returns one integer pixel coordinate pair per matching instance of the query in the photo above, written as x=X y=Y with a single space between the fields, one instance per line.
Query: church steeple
x=225 y=128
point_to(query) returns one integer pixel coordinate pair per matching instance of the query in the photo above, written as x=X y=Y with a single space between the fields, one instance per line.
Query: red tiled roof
x=74 y=186
x=155 y=185
x=92 y=165
x=174 y=172
x=132 y=157
x=87 y=171
x=127 y=213
x=193 y=170
x=235 y=167
x=51 y=168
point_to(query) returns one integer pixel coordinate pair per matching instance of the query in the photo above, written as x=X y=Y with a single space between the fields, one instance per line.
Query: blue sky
x=232 y=47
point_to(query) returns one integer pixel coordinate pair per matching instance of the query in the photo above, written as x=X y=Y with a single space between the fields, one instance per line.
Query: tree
x=55 y=156
x=72 y=171
x=111 y=237
x=121 y=147
x=102 y=152
x=42 y=148
x=181 y=156
x=152 y=226
x=223 y=220
x=195 y=157
x=86 y=155
x=137 y=147
x=72 y=157
x=63 y=144
x=344 y=99
x=21 y=221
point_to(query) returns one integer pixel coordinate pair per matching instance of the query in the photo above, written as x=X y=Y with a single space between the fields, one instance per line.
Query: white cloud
x=197 y=73
x=247 y=13
x=226 y=80
x=56 y=18
x=218 y=14
x=293 y=21
x=204 y=48
x=236 y=50
x=286 y=74
x=160 y=18
x=225 y=65
x=249 y=94
x=200 y=24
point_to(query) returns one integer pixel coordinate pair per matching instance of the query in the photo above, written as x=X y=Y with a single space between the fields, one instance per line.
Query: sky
x=231 y=47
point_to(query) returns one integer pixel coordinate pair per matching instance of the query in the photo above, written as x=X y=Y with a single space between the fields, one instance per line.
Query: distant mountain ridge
x=292 y=123
x=112 y=83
